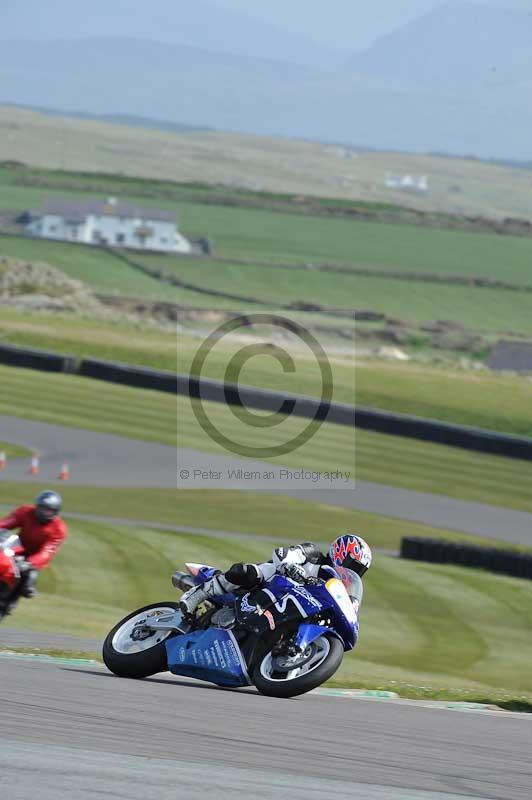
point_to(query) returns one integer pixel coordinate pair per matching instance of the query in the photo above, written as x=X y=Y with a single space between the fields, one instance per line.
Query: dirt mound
x=41 y=287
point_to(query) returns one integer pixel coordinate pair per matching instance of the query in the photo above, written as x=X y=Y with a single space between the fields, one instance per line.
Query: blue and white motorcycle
x=284 y=637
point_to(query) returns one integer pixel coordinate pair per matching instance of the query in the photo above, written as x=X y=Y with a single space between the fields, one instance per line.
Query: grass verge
x=256 y=513
x=13 y=450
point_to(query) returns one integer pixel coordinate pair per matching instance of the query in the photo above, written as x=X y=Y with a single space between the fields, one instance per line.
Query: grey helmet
x=47 y=505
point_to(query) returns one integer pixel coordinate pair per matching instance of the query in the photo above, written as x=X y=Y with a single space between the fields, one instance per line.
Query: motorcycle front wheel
x=285 y=676
x=129 y=652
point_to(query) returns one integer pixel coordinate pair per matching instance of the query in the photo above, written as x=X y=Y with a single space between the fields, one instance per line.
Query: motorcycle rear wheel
x=319 y=663
x=130 y=658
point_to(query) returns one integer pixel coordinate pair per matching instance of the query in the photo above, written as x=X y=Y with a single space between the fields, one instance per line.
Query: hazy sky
x=346 y=24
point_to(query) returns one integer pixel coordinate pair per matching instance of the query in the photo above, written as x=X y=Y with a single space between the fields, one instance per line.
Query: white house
x=407 y=183
x=107 y=222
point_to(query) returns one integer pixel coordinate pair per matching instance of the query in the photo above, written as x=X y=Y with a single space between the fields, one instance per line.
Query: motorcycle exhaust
x=182 y=580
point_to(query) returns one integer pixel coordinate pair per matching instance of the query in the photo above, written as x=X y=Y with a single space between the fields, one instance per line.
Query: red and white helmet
x=352 y=552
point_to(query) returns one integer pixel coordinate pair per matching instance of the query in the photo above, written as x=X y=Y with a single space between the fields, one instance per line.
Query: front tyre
x=130 y=651
x=285 y=676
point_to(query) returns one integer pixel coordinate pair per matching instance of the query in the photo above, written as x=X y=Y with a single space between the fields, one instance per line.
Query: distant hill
x=195 y=23
x=157 y=80
x=130 y=120
x=457 y=47
x=419 y=89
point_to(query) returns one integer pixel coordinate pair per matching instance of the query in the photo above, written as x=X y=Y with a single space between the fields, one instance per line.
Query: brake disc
x=284 y=663
x=141 y=633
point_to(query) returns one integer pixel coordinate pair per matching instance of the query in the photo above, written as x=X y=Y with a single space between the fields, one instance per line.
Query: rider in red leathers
x=41 y=532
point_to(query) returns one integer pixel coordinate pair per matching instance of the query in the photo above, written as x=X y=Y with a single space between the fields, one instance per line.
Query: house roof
x=79 y=210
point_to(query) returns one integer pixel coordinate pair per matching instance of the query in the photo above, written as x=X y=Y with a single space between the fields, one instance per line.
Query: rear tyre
x=273 y=677
x=129 y=657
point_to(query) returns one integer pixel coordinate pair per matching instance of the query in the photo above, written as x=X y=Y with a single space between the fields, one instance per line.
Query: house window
x=96 y=236
x=163 y=239
x=142 y=233
x=120 y=238
x=53 y=228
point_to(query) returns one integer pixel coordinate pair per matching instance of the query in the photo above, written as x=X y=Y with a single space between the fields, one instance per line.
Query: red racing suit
x=40 y=540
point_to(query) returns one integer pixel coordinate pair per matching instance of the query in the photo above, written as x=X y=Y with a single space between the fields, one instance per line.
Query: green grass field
x=285 y=238
x=100 y=271
x=275 y=237
x=415 y=301
x=440 y=627
x=70 y=400
x=421 y=625
x=260 y=234
x=257 y=234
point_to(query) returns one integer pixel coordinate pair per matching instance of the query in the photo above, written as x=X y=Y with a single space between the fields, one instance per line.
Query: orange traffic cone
x=3 y=460
x=64 y=474
x=34 y=466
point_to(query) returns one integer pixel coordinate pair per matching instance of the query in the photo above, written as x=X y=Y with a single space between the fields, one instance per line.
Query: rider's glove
x=293 y=571
x=24 y=566
x=288 y=555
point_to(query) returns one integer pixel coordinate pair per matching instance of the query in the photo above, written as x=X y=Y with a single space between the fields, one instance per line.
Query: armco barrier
x=493 y=559
x=429 y=430
x=36 y=359
x=129 y=375
x=263 y=399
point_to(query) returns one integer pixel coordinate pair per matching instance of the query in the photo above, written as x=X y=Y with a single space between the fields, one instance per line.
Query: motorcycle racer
x=41 y=532
x=349 y=557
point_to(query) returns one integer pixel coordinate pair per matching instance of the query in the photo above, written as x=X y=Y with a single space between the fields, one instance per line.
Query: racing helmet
x=352 y=552
x=47 y=505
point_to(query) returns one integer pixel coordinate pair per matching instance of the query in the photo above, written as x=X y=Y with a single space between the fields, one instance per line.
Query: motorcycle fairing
x=283 y=598
x=10 y=547
x=211 y=655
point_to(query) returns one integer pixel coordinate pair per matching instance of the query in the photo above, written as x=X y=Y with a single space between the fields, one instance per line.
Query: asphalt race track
x=100 y=459
x=170 y=738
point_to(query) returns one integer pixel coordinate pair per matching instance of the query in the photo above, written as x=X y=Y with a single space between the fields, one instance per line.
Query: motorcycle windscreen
x=212 y=655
